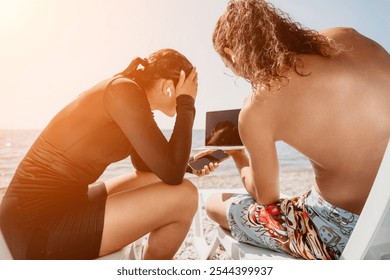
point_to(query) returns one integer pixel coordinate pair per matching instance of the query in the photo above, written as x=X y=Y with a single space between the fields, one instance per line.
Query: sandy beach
x=292 y=183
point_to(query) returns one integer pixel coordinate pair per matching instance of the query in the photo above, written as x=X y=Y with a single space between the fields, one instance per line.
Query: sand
x=292 y=183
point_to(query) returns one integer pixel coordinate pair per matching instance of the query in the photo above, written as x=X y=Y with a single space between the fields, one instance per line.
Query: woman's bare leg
x=216 y=208
x=130 y=181
x=164 y=211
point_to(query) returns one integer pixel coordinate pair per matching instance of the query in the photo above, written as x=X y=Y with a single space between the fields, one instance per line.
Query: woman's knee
x=187 y=195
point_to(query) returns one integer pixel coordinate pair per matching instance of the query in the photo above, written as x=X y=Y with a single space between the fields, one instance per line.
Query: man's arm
x=260 y=173
x=242 y=163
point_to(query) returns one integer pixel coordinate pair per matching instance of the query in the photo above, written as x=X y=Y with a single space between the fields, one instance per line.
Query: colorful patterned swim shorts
x=306 y=227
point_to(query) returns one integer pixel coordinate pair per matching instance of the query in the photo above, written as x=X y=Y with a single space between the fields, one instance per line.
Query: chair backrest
x=371 y=237
x=5 y=254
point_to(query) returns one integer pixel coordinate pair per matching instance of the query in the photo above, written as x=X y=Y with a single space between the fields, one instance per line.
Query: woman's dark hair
x=265 y=42
x=164 y=63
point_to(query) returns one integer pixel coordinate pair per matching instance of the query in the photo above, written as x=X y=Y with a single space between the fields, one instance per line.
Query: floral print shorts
x=306 y=227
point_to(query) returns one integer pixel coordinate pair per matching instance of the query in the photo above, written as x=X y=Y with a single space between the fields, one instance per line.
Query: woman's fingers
x=188 y=85
x=193 y=75
x=182 y=78
x=207 y=169
x=212 y=166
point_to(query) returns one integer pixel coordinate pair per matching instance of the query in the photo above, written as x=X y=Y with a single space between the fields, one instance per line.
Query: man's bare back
x=338 y=116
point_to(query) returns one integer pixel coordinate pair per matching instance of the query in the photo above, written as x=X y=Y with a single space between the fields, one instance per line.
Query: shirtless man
x=326 y=94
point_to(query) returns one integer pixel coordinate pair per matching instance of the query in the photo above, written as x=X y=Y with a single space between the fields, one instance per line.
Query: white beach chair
x=369 y=240
x=371 y=237
x=130 y=252
x=5 y=254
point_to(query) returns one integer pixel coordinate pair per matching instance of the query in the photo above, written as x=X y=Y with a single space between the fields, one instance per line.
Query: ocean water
x=14 y=144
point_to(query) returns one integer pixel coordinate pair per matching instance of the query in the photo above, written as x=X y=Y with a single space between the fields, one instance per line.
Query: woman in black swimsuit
x=50 y=211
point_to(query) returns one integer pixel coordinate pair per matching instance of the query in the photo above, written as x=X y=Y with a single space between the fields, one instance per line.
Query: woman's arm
x=129 y=108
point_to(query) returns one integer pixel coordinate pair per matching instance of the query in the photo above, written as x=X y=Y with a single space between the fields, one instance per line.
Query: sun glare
x=14 y=15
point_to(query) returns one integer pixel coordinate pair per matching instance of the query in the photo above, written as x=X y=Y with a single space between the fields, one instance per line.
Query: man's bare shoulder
x=351 y=39
x=339 y=31
x=256 y=112
x=342 y=34
x=246 y=112
x=253 y=105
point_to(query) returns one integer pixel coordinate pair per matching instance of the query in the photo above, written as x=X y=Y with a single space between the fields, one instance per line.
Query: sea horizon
x=14 y=144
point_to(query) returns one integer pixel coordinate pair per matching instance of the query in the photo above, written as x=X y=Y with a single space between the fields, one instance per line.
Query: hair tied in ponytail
x=162 y=64
x=144 y=63
x=134 y=66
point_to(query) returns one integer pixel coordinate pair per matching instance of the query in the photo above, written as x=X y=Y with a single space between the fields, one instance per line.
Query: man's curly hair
x=265 y=42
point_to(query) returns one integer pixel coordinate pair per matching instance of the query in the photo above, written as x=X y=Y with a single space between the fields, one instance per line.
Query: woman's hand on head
x=188 y=85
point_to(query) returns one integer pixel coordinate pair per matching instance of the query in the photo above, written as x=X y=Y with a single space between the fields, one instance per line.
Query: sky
x=52 y=50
